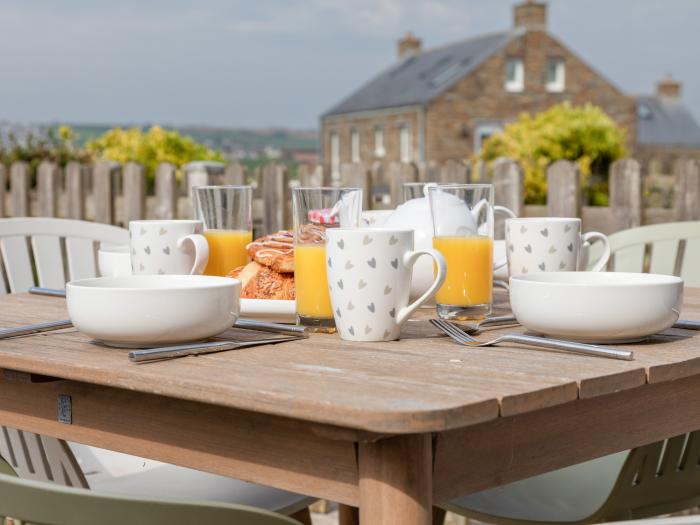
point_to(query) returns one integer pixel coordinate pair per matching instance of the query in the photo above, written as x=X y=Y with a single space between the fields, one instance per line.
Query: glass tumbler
x=315 y=210
x=462 y=217
x=226 y=212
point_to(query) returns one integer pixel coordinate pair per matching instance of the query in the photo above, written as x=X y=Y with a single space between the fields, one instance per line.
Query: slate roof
x=420 y=78
x=665 y=121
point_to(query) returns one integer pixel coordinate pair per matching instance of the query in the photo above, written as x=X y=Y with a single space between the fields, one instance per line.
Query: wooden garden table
x=391 y=427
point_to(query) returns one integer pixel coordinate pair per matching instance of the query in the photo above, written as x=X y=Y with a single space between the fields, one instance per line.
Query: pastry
x=275 y=251
x=262 y=282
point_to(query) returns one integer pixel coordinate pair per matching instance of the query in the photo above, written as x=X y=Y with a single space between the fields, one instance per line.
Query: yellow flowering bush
x=149 y=148
x=584 y=134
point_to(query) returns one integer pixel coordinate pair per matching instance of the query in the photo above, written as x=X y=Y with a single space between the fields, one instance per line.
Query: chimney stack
x=409 y=45
x=531 y=15
x=668 y=88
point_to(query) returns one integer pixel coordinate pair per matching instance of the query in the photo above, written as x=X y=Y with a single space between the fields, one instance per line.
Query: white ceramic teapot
x=415 y=215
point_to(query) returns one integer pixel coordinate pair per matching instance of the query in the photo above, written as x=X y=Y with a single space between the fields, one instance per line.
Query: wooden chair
x=57 y=250
x=42 y=503
x=672 y=248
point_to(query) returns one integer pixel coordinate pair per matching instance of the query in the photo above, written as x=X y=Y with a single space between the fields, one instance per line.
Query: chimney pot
x=531 y=15
x=409 y=45
x=668 y=88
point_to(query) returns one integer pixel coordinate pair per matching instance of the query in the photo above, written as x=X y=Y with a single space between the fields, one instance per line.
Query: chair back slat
x=48 y=259
x=630 y=259
x=662 y=256
x=17 y=262
x=690 y=268
x=672 y=454
x=80 y=254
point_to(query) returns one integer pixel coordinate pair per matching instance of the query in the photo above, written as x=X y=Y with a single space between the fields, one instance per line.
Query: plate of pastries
x=267 y=281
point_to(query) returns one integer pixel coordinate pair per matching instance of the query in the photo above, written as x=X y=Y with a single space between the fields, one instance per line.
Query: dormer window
x=379 y=150
x=354 y=146
x=556 y=75
x=515 y=75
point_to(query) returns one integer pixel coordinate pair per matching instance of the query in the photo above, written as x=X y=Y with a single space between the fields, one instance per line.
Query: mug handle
x=600 y=264
x=200 y=246
x=507 y=212
x=409 y=259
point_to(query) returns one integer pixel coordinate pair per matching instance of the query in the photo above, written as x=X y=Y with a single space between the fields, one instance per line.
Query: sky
x=281 y=63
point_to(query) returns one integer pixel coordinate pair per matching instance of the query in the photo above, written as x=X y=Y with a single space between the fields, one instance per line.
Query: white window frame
x=517 y=83
x=559 y=83
x=405 y=145
x=335 y=155
x=354 y=146
x=482 y=132
x=379 y=150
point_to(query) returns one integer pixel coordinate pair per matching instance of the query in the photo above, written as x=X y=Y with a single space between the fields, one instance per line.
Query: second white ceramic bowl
x=114 y=260
x=151 y=310
x=601 y=307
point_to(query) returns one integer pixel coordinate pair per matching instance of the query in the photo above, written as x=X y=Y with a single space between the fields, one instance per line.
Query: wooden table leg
x=396 y=483
x=348 y=515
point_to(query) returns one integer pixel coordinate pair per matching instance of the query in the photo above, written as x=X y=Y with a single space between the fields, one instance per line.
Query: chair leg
x=439 y=516
x=348 y=515
x=303 y=516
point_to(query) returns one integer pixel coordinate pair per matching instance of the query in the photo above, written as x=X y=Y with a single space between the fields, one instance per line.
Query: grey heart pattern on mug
x=367 y=240
x=523 y=229
x=368 y=329
x=570 y=247
x=544 y=232
x=511 y=248
x=541 y=266
x=372 y=262
x=341 y=244
x=361 y=284
x=337 y=311
x=161 y=272
x=330 y=263
x=523 y=270
x=349 y=265
x=387 y=290
x=141 y=267
x=351 y=329
x=392 y=312
x=386 y=334
x=562 y=265
x=351 y=306
x=370 y=307
x=395 y=263
x=393 y=240
x=340 y=284
x=528 y=248
x=166 y=250
x=552 y=249
x=162 y=231
x=567 y=228
x=147 y=249
x=142 y=231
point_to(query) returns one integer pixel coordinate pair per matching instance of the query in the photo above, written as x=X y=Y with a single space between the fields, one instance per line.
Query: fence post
x=134 y=192
x=19 y=188
x=166 y=191
x=234 y=174
x=563 y=189
x=687 y=172
x=310 y=176
x=454 y=171
x=625 y=194
x=508 y=182
x=47 y=183
x=75 y=190
x=3 y=182
x=400 y=172
x=356 y=175
x=102 y=193
x=274 y=185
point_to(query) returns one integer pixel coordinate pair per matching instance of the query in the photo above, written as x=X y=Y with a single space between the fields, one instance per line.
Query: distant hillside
x=226 y=139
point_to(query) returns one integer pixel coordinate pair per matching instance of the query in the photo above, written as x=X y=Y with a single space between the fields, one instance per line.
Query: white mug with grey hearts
x=549 y=244
x=369 y=278
x=169 y=247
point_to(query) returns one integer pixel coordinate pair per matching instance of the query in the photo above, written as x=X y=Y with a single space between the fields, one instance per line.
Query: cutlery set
x=461 y=333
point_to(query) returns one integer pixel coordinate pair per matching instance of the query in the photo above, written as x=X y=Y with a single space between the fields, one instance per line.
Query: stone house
x=441 y=103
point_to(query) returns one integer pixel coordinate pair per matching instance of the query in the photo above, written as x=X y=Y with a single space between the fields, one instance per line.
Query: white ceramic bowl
x=150 y=310
x=600 y=307
x=113 y=260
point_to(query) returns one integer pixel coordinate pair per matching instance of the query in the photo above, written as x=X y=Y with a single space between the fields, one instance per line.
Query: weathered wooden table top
x=423 y=383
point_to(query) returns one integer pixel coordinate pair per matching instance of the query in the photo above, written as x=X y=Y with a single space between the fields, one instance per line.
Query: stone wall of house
x=365 y=124
x=481 y=99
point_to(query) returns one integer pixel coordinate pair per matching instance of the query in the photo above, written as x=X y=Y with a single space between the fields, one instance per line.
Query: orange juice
x=469 y=270
x=311 y=281
x=226 y=250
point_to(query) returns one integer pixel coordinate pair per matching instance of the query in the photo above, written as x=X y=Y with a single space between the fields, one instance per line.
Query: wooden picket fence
x=115 y=194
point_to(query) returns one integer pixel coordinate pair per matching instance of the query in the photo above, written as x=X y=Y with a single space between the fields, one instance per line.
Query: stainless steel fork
x=463 y=338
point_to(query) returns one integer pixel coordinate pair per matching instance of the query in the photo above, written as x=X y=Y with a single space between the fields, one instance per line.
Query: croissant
x=262 y=282
x=275 y=251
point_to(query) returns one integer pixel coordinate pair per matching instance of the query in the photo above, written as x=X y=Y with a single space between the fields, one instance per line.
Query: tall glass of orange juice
x=314 y=211
x=462 y=217
x=226 y=212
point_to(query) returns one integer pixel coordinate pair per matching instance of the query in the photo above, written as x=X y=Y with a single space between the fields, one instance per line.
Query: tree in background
x=55 y=144
x=149 y=148
x=583 y=134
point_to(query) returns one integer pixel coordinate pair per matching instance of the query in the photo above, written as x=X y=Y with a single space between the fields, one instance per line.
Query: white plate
x=596 y=307
x=151 y=310
x=274 y=311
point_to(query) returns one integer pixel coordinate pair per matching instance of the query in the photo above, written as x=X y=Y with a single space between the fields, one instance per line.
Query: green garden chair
x=672 y=248
x=43 y=503
x=651 y=480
